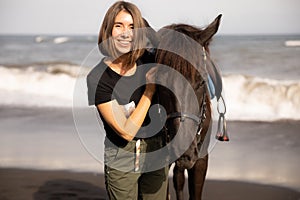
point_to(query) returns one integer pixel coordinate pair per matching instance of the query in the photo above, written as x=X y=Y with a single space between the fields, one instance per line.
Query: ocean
x=43 y=124
x=261 y=73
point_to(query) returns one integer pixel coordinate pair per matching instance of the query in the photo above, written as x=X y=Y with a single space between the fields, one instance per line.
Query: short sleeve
x=93 y=81
x=91 y=86
x=103 y=91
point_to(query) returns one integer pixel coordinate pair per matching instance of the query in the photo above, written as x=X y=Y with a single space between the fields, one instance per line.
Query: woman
x=117 y=87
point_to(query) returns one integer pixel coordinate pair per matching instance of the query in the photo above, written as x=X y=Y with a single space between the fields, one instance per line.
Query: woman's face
x=122 y=33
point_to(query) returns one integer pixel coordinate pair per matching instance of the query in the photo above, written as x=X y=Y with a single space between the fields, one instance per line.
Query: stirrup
x=222 y=134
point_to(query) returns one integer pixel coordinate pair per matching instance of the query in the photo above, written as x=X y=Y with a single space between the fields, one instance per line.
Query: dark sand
x=37 y=184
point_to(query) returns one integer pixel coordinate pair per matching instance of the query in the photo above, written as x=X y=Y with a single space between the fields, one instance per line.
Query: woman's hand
x=150 y=80
x=115 y=117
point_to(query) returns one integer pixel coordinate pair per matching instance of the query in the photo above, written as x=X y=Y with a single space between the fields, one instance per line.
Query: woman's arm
x=115 y=117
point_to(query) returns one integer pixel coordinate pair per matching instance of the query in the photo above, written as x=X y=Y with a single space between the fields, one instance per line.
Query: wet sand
x=42 y=184
x=261 y=161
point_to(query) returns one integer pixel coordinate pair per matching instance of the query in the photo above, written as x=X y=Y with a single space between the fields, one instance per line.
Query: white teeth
x=124 y=42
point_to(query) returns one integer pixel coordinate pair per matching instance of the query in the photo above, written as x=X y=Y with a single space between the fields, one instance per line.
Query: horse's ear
x=210 y=31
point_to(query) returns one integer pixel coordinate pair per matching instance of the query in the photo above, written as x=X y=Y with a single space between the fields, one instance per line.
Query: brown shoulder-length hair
x=105 y=43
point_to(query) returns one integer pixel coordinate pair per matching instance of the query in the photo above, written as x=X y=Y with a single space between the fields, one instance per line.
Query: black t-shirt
x=105 y=85
x=124 y=89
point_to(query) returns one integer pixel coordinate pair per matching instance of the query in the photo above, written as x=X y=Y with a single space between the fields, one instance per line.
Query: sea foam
x=247 y=97
x=292 y=43
x=253 y=98
x=53 y=86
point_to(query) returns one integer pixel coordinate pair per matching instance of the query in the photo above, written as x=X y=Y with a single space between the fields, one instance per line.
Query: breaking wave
x=62 y=39
x=247 y=98
x=253 y=98
x=52 y=86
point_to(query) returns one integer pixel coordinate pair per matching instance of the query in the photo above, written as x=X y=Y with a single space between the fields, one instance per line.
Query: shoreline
x=261 y=156
x=44 y=184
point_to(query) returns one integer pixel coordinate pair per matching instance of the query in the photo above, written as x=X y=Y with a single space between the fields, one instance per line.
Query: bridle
x=222 y=134
x=198 y=119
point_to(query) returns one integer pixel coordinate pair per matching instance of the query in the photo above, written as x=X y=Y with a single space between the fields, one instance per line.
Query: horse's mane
x=186 y=29
x=193 y=32
x=187 y=45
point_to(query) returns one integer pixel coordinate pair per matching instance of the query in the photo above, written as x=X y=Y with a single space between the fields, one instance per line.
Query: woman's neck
x=118 y=66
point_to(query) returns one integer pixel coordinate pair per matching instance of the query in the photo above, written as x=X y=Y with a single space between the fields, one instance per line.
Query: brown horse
x=184 y=93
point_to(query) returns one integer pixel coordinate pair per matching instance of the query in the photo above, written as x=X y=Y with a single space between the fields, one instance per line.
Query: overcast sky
x=85 y=16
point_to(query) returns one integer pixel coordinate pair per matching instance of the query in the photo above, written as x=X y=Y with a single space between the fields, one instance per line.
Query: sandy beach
x=42 y=157
x=40 y=185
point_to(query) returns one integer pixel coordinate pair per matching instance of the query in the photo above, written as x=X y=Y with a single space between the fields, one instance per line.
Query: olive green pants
x=124 y=183
x=131 y=186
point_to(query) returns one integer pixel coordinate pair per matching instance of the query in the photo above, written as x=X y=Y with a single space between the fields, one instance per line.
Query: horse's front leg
x=178 y=181
x=196 y=178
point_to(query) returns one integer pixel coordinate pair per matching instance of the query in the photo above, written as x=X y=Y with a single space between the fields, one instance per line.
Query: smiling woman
x=117 y=30
x=122 y=32
x=120 y=88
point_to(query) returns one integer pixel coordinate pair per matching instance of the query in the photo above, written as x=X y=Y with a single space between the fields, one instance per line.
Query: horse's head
x=183 y=90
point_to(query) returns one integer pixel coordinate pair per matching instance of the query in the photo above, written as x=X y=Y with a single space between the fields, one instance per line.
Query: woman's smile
x=122 y=32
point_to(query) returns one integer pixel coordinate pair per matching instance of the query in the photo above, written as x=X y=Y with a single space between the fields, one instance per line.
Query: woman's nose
x=126 y=32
